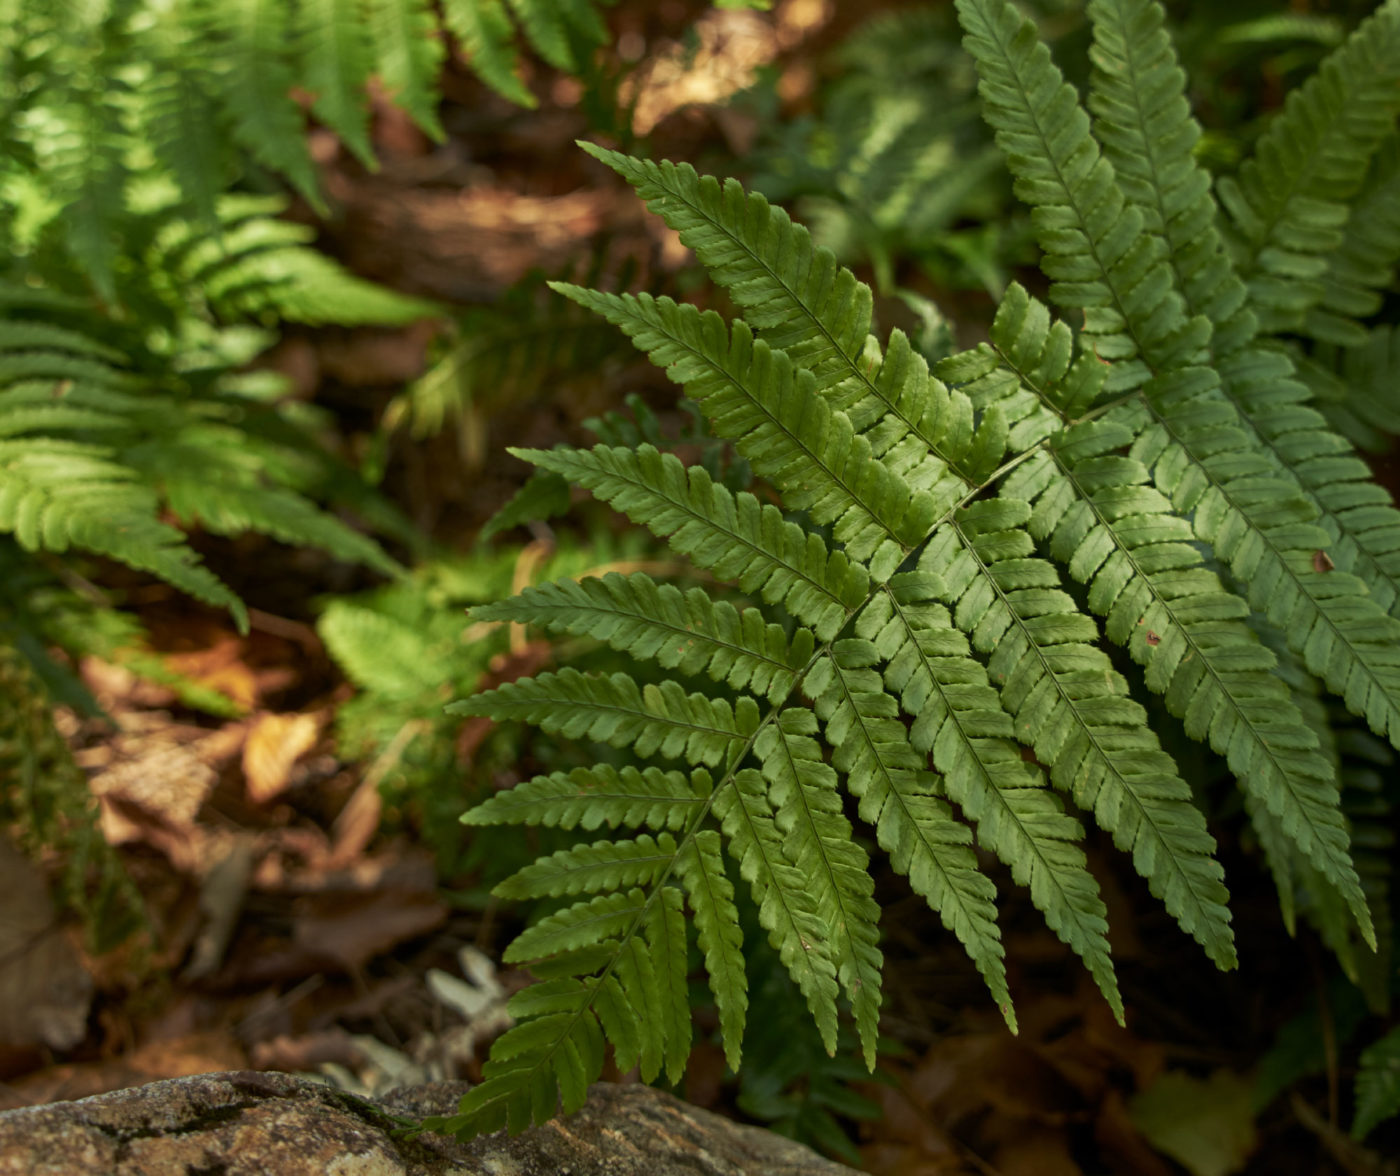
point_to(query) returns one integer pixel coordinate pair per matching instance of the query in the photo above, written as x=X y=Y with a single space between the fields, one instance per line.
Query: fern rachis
x=932 y=635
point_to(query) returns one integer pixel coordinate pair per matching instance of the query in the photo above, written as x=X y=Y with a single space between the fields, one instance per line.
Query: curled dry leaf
x=274 y=744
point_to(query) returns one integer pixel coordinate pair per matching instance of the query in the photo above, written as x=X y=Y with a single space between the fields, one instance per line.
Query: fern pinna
x=912 y=616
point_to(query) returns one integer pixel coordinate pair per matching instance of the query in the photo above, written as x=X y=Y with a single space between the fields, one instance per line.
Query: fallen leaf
x=1207 y=1125
x=274 y=744
x=45 y=991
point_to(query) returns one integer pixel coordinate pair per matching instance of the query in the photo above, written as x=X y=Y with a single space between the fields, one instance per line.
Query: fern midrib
x=820 y=328
x=1146 y=817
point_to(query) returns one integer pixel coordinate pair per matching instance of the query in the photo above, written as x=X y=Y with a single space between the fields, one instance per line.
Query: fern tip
x=1008 y=1014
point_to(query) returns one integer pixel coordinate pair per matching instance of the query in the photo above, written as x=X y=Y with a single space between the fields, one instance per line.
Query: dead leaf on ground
x=274 y=744
x=156 y=777
x=1022 y=1104
x=1205 y=1124
x=345 y=918
x=306 y=1051
x=45 y=991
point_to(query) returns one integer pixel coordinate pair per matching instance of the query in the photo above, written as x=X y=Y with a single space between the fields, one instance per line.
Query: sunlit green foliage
x=955 y=550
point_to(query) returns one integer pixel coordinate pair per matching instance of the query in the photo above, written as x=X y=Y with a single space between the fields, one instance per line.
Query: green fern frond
x=817 y=840
x=802 y=303
x=902 y=801
x=785 y=906
x=56 y=495
x=485 y=30
x=1358 y=390
x=1147 y=579
x=732 y=535
x=1073 y=710
x=1151 y=150
x=1288 y=206
x=258 y=266
x=218 y=489
x=84 y=156
x=253 y=75
x=606 y=916
x=604 y=865
x=335 y=53
x=588 y=798
x=1377 y=1084
x=1144 y=123
x=177 y=111
x=1028 y=370
x=717 y=930
x=1249 y=508
x=958 y=719
x=938 y=628
x=407 y=57
x=563 y=32
x=686 y=631
x=754 y=396
x=1098 y=253
x=652 y=719
x=377 y=651
x=1362 y=267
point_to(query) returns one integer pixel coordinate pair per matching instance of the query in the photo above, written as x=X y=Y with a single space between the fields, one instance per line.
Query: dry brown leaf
x=348 y=934
x=156 y=777
x=1038 y=1152
x=274 y=744
x=44 y=989
x=220 y=666
x=304 y=1052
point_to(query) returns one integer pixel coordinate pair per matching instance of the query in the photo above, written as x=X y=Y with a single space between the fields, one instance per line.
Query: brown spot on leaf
x=1322 y=562
x=1152 y=638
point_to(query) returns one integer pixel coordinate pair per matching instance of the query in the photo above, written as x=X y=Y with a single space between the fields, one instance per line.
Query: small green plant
x=957 y=548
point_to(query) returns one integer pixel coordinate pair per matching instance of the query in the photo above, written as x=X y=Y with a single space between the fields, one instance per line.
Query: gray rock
x=249 y=1123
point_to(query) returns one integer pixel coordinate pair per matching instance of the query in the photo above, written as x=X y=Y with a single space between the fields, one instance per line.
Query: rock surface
x=250 y=1123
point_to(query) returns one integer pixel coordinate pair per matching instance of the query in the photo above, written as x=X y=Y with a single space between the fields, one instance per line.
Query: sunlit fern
x=111 y=431
x=913 y=624
x=197 y=87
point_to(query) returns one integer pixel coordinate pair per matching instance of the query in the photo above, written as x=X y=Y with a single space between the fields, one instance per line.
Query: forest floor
x=295 y=925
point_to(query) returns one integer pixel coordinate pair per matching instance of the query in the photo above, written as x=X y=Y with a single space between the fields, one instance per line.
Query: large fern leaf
x=934 y=517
